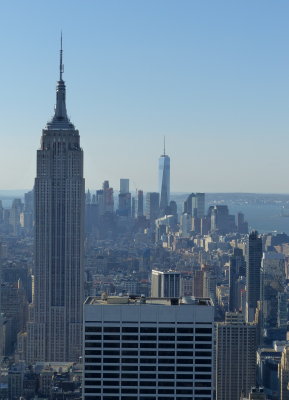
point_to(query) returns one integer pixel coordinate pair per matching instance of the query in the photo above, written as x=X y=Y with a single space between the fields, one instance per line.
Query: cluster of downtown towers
x=55 y=315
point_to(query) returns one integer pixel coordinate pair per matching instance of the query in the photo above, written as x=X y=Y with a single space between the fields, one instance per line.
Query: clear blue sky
x=212 y=76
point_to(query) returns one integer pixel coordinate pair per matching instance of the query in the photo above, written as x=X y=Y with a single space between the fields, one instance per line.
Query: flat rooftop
x=136 y=300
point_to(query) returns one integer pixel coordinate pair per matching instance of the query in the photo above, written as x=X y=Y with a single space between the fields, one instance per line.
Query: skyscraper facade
x=236 y=357
x=148 y=348
x=152 y=206
x=198 y=205
x=272 y=278
x=55 y=326
x=124 y=199
x=236 y=270
x=166 y=284
x=140 y=208
x=253 y=277
x=164 y=181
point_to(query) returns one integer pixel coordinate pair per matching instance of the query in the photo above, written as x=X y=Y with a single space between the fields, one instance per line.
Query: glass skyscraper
x=164 y=181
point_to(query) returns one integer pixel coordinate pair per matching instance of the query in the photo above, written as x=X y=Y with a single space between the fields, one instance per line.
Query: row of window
x=151 y=391
x=146 y=376
x=148 y=383
x=90 y=352
x=150 y=338
x=135 y=367
x=151 y=345
x=129 y=329
x=147 y=360
x=180 y=397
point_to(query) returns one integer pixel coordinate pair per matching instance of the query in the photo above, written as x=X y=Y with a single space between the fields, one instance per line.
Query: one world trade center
x=164 y=181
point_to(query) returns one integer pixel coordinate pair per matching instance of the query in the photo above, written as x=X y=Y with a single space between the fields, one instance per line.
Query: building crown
x=60 y=119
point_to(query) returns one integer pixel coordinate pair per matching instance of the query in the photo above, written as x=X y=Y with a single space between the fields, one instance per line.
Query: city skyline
x=210 y=77
x=117 y=285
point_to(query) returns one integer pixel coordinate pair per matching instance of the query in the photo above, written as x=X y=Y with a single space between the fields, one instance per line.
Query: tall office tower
x=152 y=206
x=198 y=283
x=13 y=304
x=148 y=349
x=124 y=204
x=195 y=205
x=236 y=357
x=99 y=198
x=88 y=197
x=54 y=330
x=186 y=225
x=29 y=211
x=133 y=207
x=221 y=221
x=173 y=208
x=188 y=204
x=253 y=268
x=124 y=186
x=205 y=225
x=198 y=205
x=140 y=211
x=237 y=269
x=164 y=181
x=283 y=374
x=108 y=197
x=209 y=284
x=166 y=284
x=283 y=302
x=271 y=287
x=242 y=225
x=124 y=199
x=14 y=216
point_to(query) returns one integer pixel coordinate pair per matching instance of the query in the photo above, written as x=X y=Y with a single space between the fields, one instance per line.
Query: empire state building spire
x=60 y=119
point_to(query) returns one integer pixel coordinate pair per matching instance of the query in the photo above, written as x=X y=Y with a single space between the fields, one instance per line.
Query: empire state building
x=55 y=316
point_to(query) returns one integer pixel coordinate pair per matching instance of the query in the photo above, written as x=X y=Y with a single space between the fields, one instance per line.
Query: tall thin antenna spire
x=61 y=66
x=164 y=145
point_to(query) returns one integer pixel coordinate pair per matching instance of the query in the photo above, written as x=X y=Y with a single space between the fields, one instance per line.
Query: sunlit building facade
x=164 y=182
x=55 y=323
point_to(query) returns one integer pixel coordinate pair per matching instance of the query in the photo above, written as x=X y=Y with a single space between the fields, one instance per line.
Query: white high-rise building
x=166 y=284
x=55 y=321
x=148 y=349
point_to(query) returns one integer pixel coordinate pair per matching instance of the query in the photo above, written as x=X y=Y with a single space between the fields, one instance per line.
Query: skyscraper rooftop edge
x=139 y=300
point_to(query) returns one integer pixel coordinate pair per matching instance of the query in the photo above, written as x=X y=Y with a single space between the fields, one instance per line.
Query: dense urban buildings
x=183 y=299
x=55 y=324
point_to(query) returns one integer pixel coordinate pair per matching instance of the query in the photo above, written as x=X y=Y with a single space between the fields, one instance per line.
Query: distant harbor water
x=264 y=218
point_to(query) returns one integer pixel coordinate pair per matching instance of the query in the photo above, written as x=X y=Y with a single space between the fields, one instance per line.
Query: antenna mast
x=61 y=66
